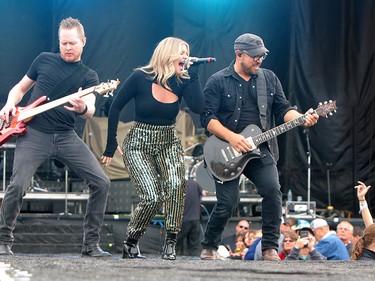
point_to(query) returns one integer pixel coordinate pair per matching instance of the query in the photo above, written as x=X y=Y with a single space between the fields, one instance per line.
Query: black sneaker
x=131 y=251
x=169 y=249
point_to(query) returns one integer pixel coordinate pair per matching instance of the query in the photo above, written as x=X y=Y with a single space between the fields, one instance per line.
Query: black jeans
x=263 y=173
x=32 y=150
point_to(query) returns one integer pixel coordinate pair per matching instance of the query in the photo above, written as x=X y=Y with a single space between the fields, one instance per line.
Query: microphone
x=199 y=61
x=202 y=60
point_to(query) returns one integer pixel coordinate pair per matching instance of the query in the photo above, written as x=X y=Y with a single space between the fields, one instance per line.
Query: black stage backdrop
x=320 y=50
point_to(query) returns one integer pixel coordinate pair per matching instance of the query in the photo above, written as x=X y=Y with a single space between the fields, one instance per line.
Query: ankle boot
x=94 y=251
x=130 y=250
x=169 y=248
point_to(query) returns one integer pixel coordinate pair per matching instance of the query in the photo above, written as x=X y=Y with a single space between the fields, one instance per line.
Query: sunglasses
x=288 y=241
x=256 y=58
x=245 y=227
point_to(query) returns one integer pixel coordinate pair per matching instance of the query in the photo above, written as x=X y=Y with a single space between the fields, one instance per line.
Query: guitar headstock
x=326 y=108
x=107 y=88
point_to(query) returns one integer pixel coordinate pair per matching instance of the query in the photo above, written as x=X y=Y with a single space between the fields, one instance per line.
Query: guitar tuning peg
x=325 y=102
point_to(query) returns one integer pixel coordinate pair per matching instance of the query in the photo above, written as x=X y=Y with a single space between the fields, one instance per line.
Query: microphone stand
x=329 y=207
x=308 y=153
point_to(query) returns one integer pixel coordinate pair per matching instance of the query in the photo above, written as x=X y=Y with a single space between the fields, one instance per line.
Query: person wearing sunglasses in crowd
x=229 y=242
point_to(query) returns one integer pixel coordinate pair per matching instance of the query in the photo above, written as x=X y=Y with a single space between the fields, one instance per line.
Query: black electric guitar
x=226 y=164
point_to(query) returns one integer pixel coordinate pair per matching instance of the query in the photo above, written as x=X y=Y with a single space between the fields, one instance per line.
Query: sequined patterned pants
x=153 y=156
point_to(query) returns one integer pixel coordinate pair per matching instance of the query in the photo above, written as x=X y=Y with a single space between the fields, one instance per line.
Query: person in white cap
x=329 y=244
x=240 y=95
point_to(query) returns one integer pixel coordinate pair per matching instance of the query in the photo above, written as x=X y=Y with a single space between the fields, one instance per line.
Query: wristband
x=84 y=111
x=362 y=206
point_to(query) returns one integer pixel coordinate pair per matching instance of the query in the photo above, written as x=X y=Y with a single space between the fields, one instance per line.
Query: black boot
x=94 y=251
x=169 y=248
x=130 y=250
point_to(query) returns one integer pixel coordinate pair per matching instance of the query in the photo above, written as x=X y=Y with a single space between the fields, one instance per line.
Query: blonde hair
x=70 y=23
x=365 y=241
x=161 y=65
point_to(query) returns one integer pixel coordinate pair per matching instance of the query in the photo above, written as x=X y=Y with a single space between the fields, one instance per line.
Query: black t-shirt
x=48 y=70
x=249 y=112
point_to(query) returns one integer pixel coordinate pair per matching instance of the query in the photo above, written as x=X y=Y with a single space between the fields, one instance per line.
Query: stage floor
x=73 y=268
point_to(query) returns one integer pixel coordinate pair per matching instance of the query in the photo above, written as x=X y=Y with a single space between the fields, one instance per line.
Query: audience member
x=249 y=238
x=364 y=248
x=250 y=253
x=289 y=241
x=240 y=247
x=241 y=228
x=357 y=233
x=361 y=194
x=328 y=244
x=345 y=231
x=301 y=224
x=287 y=225
x=304 y=248
x=190 y=234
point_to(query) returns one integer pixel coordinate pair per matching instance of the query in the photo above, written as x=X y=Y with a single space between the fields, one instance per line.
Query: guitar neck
x=272 y=133
x=47 y=106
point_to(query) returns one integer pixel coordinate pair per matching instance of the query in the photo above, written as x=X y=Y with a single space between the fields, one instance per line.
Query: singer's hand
x=189 y=62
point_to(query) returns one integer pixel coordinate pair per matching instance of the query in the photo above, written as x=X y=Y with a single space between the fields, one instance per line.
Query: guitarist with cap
x=51 y=134
x=235 y=97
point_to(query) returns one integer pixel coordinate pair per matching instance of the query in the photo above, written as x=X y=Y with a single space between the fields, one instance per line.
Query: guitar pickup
x=224 y=155
x=230 y=151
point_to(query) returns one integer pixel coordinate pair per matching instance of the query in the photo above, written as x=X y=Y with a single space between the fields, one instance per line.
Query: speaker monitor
x=300 y=209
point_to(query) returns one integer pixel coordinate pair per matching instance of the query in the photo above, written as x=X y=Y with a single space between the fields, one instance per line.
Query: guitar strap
x=262 y=105
x=262 y=98
x=71 y=80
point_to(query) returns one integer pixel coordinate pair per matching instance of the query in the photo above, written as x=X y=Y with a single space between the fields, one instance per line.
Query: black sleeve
x=193 y=94
x=124 y=95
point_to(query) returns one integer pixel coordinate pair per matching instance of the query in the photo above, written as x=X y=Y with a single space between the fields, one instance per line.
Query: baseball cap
x=252 y=43
x=301 y=224
x=318 y=223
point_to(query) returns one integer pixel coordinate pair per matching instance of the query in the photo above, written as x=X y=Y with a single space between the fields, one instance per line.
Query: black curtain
x=321 y=50
x=332 y=58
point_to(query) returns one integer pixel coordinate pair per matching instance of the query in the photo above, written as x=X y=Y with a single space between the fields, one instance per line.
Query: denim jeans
x=31 y=151
x=263 y=173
